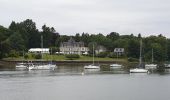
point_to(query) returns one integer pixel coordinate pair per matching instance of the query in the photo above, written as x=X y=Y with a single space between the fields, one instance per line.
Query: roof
x=72 y=42
x=38 y=49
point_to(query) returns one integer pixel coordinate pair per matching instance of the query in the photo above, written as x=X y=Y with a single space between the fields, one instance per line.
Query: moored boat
x=92 y=66
x=116 y=66
x=140 y=67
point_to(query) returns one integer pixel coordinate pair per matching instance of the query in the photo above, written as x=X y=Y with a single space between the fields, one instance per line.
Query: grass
x=63 y=58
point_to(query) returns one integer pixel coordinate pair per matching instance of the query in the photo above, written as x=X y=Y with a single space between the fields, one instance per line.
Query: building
x=100 y=49
x=119 y=51
x=39 y=50
x=73 y=47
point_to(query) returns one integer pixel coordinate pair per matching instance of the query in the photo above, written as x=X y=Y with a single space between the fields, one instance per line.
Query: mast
x=51 y=56
x=41 y=46
x=152 y=56
x=117 y=56
x=140 y=58
x=23 y=56
x=93 y=53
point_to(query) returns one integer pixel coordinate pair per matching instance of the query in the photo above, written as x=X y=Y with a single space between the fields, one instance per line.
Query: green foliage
x=134 y=48
x=25 y=35
x=53 y=50
x=1 y=56
x=16 y=42
x=13 y=54
x=113 y=36
x=72 y=56
x=38 y=56
x=91 y=46
x=26 y=56
x=133 y=59
x=32 y=55
x=112 y=55
x=102 y=54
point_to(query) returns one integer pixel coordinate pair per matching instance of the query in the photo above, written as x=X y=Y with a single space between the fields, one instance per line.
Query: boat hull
x=91 y=67
x=42 y=67
x=150 y=66
x=115 y=66
x=137 y=70
x=21 y=66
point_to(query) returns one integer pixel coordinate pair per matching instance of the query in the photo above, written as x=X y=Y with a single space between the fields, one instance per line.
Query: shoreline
x=63 y=61
x=12 y=63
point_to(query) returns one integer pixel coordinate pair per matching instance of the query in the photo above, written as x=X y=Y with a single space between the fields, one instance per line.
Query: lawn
x=63 y=58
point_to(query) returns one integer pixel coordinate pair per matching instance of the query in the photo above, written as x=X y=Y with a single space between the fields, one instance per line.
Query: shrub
x=132 y=59
x=102 y=54
x=26 y=56
x=38 y=56
x=32 y=55
x=112 y=55
x=72 y=56
x=13 y=53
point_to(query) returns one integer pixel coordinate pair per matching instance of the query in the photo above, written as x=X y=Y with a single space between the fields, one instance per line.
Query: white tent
x=39 y=50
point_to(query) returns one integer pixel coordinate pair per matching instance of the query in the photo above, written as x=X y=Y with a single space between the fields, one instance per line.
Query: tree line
x=24 y=35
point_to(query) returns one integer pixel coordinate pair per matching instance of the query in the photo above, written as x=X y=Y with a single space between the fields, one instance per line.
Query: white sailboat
x=116 y=66
x=92 y=66
x=151 y=66
x=139 y=68
x=49 y=66
x=42 y=67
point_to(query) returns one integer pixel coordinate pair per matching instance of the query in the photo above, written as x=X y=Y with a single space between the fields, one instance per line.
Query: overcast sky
x=148 y=17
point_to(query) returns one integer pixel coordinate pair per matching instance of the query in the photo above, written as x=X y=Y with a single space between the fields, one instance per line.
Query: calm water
x=75 y=83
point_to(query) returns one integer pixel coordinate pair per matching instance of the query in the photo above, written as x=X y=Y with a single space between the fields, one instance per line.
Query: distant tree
x=139 y=35
x=48 y=34
x=133 y=48
x=77 y=37
x=28 y=31
x=16 y=42
x=113 y=36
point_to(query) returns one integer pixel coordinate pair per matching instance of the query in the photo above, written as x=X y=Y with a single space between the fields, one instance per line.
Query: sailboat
x=151 y=66
x=140 y=67
x=92 y=66
x=49 y=66
x=116 y=66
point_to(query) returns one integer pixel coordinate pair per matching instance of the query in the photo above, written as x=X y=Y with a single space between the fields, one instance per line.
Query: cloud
x=93 y=16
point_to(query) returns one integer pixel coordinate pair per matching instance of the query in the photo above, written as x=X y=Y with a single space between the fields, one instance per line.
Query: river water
x=75 y=83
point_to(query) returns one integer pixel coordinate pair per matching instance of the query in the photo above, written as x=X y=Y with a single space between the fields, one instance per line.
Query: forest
x=24 y=35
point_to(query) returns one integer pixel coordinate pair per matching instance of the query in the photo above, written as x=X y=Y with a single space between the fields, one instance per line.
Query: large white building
x=39 y=50
x=73 y=47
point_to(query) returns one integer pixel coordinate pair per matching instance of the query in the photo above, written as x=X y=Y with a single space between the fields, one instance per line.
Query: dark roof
x=72 y=42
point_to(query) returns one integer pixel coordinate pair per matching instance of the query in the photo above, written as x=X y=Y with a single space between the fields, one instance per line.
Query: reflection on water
x=61 y=70
x=77 y=83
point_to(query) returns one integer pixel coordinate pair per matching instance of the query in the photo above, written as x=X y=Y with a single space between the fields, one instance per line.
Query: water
x=73 y=83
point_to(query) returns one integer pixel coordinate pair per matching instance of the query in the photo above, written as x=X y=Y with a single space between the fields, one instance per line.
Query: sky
x=148 y=17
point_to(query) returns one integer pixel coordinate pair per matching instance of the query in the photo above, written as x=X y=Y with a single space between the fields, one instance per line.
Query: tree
x=48 y=34
x=113 y=36
x=16 y=42
x=28 y=31
x=77 y=37
x=133 y=48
